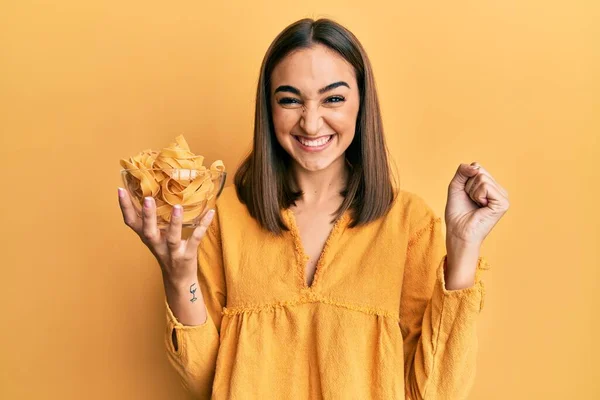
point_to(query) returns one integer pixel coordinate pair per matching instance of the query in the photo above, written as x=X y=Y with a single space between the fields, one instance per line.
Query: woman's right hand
x=178 y=259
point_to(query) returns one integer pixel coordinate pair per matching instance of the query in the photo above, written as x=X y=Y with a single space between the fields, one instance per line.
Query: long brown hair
x=263 y=181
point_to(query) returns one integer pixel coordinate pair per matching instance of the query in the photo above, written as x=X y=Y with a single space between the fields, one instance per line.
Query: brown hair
x=264 y=181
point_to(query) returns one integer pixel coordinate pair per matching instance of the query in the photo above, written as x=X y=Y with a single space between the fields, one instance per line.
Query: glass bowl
x=195 y=190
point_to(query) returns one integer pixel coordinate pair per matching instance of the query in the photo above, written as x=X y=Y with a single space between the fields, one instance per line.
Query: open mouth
x=315 y=144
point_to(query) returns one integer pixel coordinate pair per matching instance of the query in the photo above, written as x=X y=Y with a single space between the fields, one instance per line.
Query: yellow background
x=511 y=84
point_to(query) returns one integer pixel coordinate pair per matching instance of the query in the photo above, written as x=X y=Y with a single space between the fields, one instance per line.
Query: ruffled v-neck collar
x=301 y=256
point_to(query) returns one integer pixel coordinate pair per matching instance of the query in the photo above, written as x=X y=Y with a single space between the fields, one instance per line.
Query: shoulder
x=412 y=210
x=231 y=211
x=229 y=202
x=227 y=196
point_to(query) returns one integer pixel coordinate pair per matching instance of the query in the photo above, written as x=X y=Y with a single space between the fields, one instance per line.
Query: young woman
x=319 y=277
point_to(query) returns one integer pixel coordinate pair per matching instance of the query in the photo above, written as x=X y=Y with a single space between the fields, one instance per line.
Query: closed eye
x=292 y=100
x=288 y=100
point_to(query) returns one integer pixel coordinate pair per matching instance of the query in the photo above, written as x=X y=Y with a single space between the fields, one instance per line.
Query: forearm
x=186 y=302
x=192 y=339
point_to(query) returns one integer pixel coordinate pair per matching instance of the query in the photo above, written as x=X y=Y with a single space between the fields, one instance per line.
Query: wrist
x=459 y=246
x=179 y=285
x=461 y=264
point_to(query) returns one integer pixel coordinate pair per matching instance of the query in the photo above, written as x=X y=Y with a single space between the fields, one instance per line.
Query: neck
x=321 y=186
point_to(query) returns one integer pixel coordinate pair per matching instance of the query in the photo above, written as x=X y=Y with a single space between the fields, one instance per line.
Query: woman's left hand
x=476 y=202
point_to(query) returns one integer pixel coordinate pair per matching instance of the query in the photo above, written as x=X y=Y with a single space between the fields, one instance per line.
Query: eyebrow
x=291 y=89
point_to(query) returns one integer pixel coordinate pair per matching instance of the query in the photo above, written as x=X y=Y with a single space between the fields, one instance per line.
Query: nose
x=311 y=120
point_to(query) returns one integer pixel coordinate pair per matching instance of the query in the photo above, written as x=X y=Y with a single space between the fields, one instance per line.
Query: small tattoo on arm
x=193 y=292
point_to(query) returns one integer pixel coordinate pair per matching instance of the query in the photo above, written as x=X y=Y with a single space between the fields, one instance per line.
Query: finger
x=478 y=181
x=486 y=172
x=472 y=182
x=174 y=231
x=149 y=231
x=462 y=175
x=487 y=194
x=130 y=217
x=199 y=232
x=478 y=193
x=497 y=201
x=498 y=186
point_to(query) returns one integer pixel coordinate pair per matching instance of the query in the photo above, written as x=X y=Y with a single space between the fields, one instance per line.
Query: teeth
x=314 y=143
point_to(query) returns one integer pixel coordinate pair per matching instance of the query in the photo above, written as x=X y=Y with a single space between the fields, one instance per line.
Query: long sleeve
x=438 y=325
x=195 y=357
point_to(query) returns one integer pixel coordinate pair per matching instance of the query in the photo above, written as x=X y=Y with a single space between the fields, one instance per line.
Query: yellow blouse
x=376 y=323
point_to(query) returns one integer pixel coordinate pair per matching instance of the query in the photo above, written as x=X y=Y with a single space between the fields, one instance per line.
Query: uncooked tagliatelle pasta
x=172 y=176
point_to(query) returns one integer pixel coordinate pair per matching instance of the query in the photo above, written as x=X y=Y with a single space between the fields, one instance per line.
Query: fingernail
x=121 y=192
x=147 y=202
x=474 y=166
x=210 y=213
x=176 y=210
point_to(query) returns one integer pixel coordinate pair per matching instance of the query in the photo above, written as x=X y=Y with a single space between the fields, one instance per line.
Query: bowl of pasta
x=173 y=176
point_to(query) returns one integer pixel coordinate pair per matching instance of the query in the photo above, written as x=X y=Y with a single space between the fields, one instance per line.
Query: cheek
x=343 y=121
x=284 y=121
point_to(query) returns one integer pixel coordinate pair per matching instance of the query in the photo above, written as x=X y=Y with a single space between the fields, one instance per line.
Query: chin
x=315 y=165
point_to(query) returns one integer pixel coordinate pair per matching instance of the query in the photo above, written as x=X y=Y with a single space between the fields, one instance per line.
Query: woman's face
x=314 y=102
